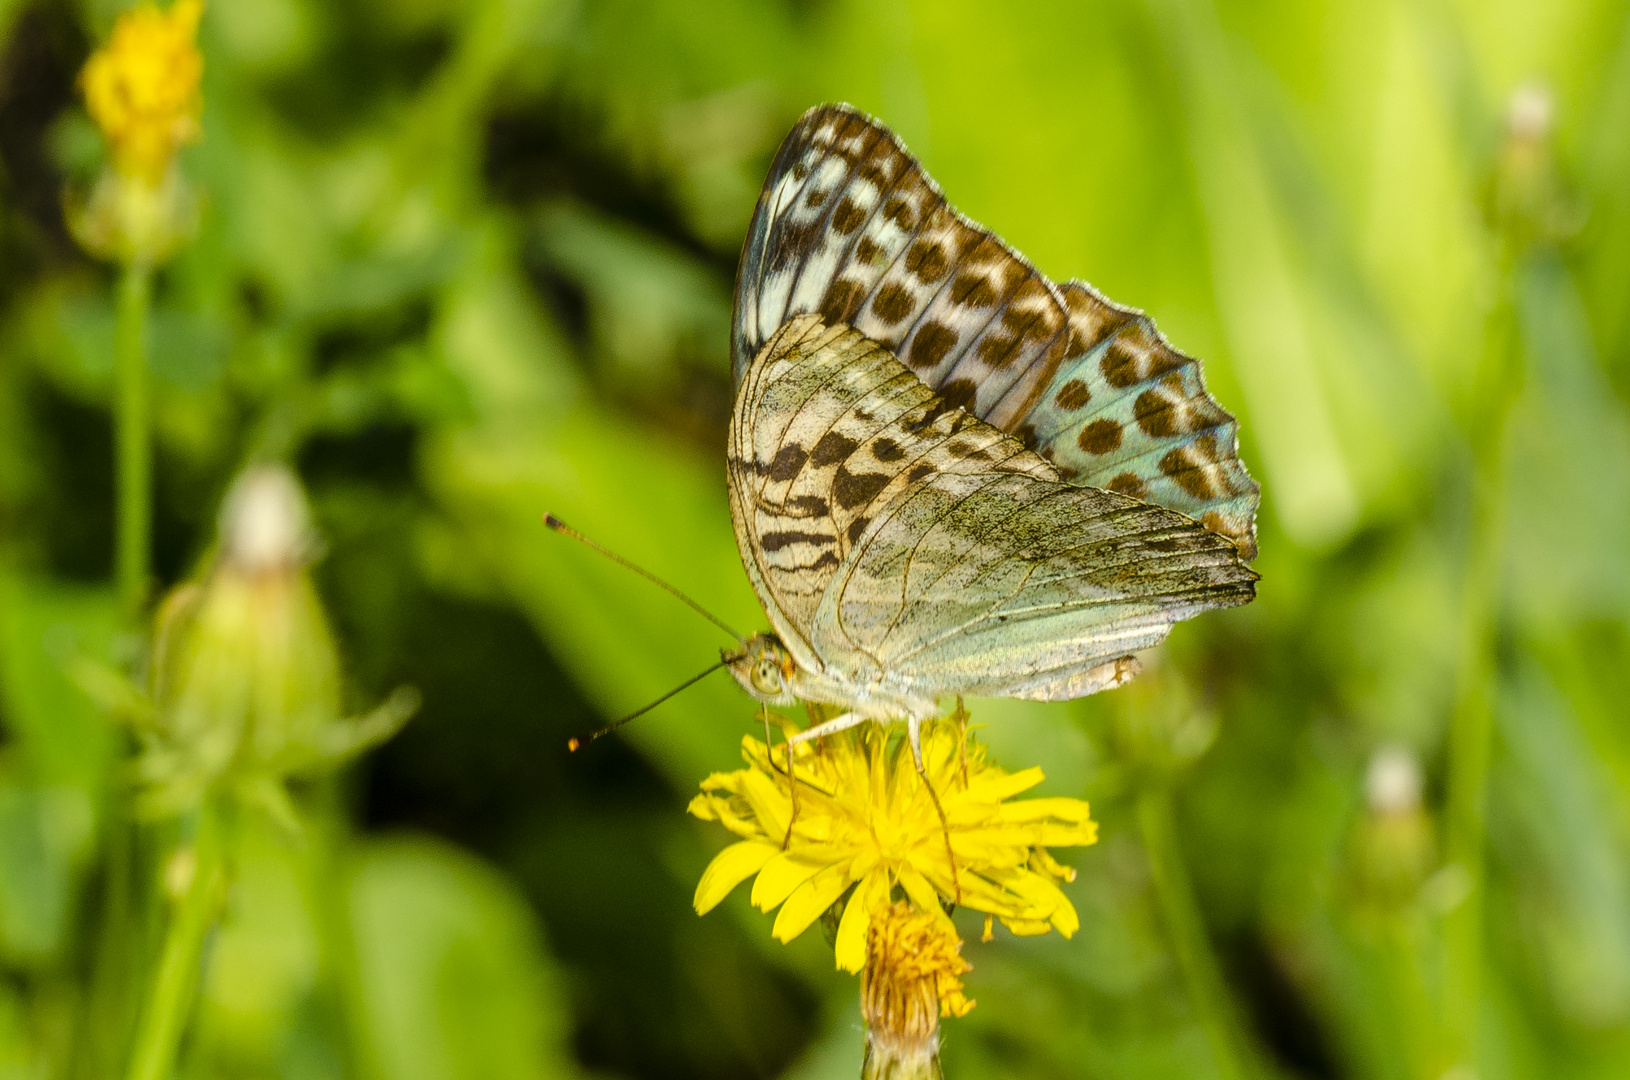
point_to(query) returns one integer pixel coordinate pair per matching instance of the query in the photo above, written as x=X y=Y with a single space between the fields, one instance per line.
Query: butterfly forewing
x=889 y=531
x=850 y=227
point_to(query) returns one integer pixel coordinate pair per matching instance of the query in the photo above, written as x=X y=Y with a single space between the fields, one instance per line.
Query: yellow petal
x=769 y=801
x=1043 y=862
x=807 y=902
x=1027 y=927
x=1065 y=919
x=729 y=868
x=850 y=948
x=995 y=787
x=1065 y=809
x=923 y=895
x=780 y=876
x=702 y=807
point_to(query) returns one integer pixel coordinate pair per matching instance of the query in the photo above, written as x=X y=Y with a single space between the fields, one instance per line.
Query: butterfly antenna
x=577 y=744
x=566 y=530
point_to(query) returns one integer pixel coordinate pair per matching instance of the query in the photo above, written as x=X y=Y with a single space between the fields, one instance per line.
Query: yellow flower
x=865 y=820
x=911 y=979
x=913 y=964
x=142 y=87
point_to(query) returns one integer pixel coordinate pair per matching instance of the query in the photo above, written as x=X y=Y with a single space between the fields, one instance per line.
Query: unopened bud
x=246 y=676
x=1393 y=846
x=1530 y=204
x=1392 y=784
x=265 y=524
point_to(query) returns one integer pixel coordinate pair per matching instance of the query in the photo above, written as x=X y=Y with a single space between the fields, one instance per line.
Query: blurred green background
x=464 y=262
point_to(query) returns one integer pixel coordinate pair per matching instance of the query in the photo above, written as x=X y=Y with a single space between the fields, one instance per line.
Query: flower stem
x=158 y=1035
x=1181 y=912
x=1472 y=720
x=132 y=450
x=326 y=882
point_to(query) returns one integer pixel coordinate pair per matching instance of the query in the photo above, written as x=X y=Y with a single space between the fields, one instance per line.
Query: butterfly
x=949 y=475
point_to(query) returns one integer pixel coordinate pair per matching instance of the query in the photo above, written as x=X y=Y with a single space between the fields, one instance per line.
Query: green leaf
x=455 y=981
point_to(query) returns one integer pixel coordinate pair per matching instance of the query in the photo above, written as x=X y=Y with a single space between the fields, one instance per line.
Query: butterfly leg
x=792 y=780
x=962 y=721
x=829 y=727
x=914 y=733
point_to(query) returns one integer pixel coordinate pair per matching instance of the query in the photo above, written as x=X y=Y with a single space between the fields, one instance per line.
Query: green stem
x=132 y=449
x=1471 y=726
x=108 y=1012
x=158 y=1035
x=1201 y=972
x=327 y=888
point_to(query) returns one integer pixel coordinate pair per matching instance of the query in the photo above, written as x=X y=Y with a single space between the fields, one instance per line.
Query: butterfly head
x=764 y=668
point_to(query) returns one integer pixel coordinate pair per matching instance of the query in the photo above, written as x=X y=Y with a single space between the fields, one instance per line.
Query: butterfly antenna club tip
x=574 y=743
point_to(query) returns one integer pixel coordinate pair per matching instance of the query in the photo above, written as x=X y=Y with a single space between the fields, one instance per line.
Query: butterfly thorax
x=874 y=699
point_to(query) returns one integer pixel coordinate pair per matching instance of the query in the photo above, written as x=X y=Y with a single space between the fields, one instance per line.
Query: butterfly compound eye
x=767 y=677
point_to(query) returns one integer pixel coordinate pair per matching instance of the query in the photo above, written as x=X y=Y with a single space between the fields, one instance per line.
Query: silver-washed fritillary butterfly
x=949 y=475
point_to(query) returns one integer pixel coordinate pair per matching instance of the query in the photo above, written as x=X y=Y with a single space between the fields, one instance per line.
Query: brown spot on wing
x=1137 y=354
x=958 y=394
x=892 y=303
x=886 y=449
x=932 y=342
x=787 y=463
x=1156 y=413
x=775 y=541
x=807 y=506
x=1119 y=365
x=1100 y=437
x=1128 y=484
x=841 y=300
x=926 y=261
x=918 y=472
x=847 y=217
x=1072 y=395
x=856 y=527
x=973 y=290
x=833 y=447
x=1186 y=466
x=857 y=489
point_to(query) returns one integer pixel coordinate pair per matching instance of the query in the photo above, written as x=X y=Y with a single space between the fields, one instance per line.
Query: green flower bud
x=1393 y=845
x=245 y=685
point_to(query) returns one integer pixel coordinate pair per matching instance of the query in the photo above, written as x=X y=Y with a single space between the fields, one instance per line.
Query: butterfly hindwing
x=890 y=531
x=851 y=228
x=999 y=583
x=1127 y=412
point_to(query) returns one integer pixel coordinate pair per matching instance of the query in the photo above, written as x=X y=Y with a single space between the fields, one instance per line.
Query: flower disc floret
x=866 y=822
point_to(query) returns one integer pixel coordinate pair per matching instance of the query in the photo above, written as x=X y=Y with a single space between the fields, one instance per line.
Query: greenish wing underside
x=888 y=531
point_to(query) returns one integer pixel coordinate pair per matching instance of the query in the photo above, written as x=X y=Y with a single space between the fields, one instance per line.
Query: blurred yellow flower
x=912 y=978
x=864 y=819
x=142 y=87
x=913 y=968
